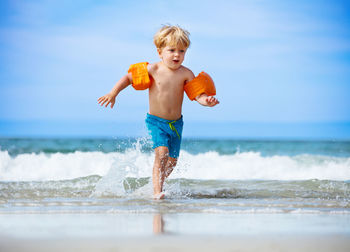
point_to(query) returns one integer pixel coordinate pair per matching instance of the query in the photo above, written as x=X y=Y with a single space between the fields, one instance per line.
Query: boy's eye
x=182 y=51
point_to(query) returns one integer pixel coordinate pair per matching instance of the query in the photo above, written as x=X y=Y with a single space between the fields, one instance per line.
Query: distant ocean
x=212 y=176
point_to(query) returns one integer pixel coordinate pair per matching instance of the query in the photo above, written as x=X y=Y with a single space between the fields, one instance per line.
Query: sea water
x=216 y=177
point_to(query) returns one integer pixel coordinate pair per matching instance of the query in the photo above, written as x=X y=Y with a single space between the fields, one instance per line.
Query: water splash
x=133 y=164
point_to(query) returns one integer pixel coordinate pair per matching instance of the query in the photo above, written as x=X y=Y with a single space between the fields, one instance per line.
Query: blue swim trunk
x=165 y=133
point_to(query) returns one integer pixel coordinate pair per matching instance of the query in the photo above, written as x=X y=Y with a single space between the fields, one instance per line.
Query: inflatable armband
x=140 y=77
x=199 y=85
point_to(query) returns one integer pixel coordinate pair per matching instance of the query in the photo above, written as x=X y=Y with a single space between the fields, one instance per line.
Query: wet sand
x=174 y=232
x=184 y=243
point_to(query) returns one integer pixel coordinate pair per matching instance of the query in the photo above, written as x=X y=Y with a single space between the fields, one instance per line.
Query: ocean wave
x=205 y=166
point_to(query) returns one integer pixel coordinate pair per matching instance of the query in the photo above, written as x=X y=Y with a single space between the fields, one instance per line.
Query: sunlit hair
x=170 y=35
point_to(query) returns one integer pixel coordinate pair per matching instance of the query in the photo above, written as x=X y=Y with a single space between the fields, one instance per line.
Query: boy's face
x=172 y=56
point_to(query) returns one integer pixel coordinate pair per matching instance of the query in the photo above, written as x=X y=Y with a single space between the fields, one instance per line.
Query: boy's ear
x=159 y=50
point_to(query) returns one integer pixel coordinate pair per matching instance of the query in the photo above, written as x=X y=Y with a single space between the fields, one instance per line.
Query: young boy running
x=167 y=80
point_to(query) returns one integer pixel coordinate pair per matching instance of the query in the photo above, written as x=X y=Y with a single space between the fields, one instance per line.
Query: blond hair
x=170 y=35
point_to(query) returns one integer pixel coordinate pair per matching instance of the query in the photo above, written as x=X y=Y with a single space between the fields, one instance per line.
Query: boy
x=166 y=81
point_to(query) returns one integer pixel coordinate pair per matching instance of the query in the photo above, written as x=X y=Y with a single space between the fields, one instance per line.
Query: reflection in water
x=158 y=224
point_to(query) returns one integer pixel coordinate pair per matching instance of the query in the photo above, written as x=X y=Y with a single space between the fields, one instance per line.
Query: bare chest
x=168 y=82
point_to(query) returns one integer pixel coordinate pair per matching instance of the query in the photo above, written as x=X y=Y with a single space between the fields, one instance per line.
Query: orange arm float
x=140 y=77
x=199 y=85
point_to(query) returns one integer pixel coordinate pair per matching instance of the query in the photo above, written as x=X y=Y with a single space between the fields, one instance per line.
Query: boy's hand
x=206 y=100
x=108 y=99
x=211 y=101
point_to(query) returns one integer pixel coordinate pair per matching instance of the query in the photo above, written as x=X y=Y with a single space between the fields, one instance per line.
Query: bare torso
x=167 y=90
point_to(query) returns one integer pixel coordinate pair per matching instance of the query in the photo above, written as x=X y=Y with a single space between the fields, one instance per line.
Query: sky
x=274 y=63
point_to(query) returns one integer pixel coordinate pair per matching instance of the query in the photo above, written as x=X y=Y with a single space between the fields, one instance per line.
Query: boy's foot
x=159 y=196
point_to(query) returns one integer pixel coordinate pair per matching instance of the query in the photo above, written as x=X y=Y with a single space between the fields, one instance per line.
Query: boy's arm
x=206 y=100
x=109 y=98
x=203 y=98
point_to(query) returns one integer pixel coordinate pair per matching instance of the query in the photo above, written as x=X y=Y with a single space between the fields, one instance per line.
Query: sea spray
x=113 y=182
x=133 y=164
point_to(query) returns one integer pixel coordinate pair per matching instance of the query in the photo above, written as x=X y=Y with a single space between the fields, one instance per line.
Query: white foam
x=252 y=165
x=59 y=166
x=134 y=163
x=56 y=166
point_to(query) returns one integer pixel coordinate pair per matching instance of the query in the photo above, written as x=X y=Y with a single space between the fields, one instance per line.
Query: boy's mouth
x=176 y=61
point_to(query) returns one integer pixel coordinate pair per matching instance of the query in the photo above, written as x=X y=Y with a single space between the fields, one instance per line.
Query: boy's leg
x=160 y=162
x=170 y=166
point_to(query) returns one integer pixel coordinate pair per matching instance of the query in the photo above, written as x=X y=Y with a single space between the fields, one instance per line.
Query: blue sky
x=273 y=62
